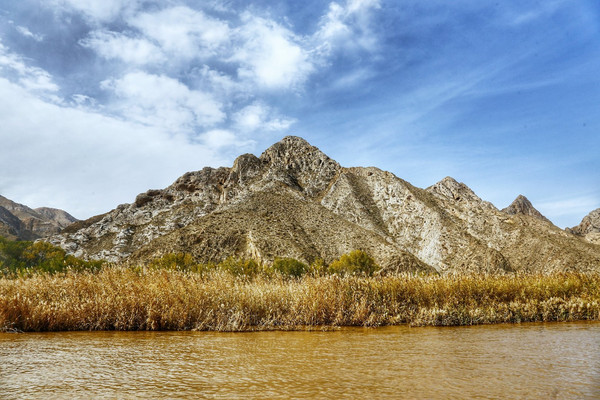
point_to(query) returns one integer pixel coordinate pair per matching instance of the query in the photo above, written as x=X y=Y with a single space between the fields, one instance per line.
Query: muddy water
x=487 y=362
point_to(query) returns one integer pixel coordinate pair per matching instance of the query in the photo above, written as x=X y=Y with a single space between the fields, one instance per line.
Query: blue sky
x=104 y=99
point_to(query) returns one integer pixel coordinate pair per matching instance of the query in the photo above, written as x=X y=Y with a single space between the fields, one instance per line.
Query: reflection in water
x=499 y=361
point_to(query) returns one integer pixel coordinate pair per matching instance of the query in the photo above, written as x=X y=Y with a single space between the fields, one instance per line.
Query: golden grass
x=118 y=298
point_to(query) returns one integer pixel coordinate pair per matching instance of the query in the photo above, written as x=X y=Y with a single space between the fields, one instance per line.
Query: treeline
x=356 y=262
x=22 y=258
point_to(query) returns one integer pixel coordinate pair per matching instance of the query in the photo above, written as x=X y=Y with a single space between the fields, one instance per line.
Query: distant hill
x=18 y=221
x=295 y=201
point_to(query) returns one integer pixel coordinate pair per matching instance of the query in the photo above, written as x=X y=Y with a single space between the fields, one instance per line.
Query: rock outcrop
x=18 y=221
x=589 y=227
x=294 y=201
x=522 y=206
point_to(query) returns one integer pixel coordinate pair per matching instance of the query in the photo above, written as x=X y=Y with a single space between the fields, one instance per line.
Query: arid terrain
x=295 y=201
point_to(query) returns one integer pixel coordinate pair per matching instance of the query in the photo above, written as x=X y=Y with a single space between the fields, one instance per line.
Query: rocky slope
x=18 y=221
x=589 y=227
x=10 y=226
x=522 y=206
x=295 y=201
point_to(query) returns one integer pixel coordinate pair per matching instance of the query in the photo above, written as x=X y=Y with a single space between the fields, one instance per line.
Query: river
x=528 y=361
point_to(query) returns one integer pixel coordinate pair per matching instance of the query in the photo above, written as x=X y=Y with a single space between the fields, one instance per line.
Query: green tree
x=177 y=261
x=357 y=262
x=290 y=267
x=240 y=266
x=22 y=257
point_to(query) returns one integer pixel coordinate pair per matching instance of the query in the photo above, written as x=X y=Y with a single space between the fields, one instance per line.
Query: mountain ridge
x=17 y=221
x=295 y=201
x=589 y=227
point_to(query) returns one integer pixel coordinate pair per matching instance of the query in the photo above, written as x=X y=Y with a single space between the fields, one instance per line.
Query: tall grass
x=119 y=298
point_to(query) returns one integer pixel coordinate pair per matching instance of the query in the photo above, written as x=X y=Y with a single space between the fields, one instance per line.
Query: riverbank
x=118 y=298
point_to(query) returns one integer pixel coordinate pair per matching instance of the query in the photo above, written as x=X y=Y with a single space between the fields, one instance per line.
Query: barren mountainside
x=589 y=227
x=295 y=201
x=18 y=221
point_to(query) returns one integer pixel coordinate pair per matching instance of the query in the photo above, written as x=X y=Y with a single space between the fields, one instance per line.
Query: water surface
x=529 y=361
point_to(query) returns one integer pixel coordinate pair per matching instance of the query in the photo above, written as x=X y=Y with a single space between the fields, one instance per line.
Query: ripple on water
x=496 y=361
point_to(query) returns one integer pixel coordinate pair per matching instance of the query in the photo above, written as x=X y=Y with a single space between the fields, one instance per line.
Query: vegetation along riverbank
x=174 y=293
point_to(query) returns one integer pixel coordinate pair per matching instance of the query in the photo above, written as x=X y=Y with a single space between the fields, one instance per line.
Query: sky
x=103 y=99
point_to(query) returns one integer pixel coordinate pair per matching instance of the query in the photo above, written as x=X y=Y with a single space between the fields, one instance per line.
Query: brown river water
x=527 y=361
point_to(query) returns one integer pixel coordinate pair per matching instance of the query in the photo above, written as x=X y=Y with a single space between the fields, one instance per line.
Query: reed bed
x=119 y=298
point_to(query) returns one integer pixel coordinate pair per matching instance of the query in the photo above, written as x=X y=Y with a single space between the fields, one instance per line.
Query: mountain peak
x=61 y=217
x=297 y=163
x=452 y=189
x=290 y=148
x=295 y=141
x=522 y=206
x=20 y=221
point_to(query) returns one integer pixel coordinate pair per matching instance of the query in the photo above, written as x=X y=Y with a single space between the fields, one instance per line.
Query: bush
x=357 y=262
x=318 y=267
x=240 y=266
x=290 y=267
x=176 y=261
x=22 y=258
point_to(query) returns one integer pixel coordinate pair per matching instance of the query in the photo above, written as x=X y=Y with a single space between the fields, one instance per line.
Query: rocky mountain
x=522 y=206
x=10 y=226
x=295 y=201
x=18 y=221
x=589 y=227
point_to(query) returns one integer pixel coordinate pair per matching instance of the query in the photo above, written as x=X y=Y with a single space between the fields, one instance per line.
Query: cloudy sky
x=103 y=99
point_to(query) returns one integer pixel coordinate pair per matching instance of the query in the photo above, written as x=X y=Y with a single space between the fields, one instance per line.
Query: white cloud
x=271 y=55
x=112 y=45
x=333 y=27
x=352 y=79
x=161 y=101
x=259 y=116
x=97 y=10
x=218 y=139
x=27 y=33
x=183 y=32
x=82 y=101
x=31 y=78
x=348 y=26
x=219 y=82
x=82 y=161
x=358 y=6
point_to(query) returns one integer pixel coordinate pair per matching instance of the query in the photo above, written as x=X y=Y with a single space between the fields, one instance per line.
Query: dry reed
x=118 y=298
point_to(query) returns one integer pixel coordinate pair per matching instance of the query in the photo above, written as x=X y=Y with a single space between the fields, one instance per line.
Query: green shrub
x=318 y=267
x=176 y=261
x=290 y=267
x=240 y=266
x=357 y=262
x=23 y=258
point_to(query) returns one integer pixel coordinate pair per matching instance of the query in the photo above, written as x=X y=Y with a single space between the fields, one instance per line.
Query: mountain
x=18 y=221
x=294 y=201
x=589 y=227
x=522 y=206
x=60 y=218
x=10 y=226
